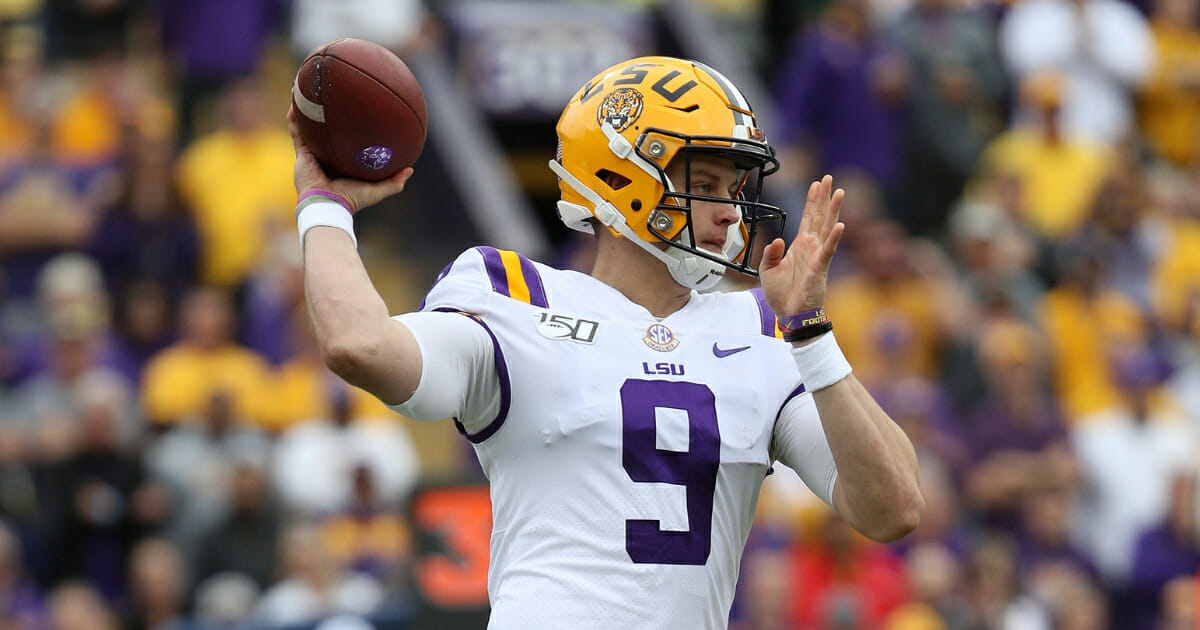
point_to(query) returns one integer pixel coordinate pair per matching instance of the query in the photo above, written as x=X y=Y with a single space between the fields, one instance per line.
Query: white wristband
x=316 y=211
x=821 y=363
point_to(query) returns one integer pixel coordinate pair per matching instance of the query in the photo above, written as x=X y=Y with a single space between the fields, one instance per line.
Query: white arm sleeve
x=799 y=442
x=458 y=370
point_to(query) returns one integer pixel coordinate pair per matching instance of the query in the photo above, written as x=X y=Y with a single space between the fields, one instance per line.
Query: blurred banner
x=453 y=527
x=525 y=60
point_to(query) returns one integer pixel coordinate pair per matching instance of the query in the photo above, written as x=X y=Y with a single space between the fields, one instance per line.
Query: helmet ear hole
x=615 y=181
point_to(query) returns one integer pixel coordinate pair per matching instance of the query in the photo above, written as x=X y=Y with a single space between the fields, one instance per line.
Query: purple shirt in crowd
x=219 y=39
x=825 y=98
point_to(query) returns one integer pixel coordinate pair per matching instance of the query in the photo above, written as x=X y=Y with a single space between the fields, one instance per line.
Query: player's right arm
x=357 y=338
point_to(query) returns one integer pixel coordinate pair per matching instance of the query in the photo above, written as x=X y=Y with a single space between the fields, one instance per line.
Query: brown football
x=360 y=109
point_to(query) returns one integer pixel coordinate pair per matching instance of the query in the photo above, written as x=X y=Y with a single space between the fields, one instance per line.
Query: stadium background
x=1019 y=286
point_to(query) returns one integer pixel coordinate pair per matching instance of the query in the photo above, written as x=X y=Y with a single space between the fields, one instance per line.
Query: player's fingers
x=833 y=212
x=806 y=216
x=772 y=254
x=829 y=248
x=397 y=182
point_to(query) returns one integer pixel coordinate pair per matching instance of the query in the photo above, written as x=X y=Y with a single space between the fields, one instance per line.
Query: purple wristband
x=330 y=195
x=815 y=317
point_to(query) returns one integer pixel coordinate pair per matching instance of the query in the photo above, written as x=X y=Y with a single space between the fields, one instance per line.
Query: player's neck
x=638 y=275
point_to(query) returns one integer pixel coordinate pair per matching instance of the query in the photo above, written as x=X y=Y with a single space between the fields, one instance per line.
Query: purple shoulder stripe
x=765 y=314
x=505 y=387
x=537 y=291
x=495 y=269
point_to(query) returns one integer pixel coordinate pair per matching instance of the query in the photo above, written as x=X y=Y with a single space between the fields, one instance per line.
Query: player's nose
x=725 y=214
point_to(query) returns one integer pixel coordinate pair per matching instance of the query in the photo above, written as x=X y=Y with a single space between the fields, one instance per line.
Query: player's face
x=710 y=176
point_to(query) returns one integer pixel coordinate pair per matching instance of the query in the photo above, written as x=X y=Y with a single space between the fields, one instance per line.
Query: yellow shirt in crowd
x=1058 y=180
x=1176 y=275
x=300 y=390
x=240 y=190
x=179 y=383
x=864 y=311
x=1080 y=332
x=1169 y=108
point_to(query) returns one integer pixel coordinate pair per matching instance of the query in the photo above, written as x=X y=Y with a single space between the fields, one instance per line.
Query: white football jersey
x=626 y=458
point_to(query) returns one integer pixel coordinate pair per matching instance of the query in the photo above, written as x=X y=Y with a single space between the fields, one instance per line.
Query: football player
x=626 y=419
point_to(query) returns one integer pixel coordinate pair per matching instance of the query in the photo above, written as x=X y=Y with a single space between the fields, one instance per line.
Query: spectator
x=158 y=586
x=312 y=586
x=1169 y=103
x=1180 y=605
x=368 y=535
x=936 y=576
x=78 y=606
x=226 y=600
x=765 y=592
x=1057 y=174
x=401 y=26
x=247 y=152
x=1166 y=550
x=955 y=90
x=1151 y=441
x=143 y=326
x=995 y=258
x=995 y=592
x=78 y=31
x=146 y=235
x=102 y=501
x=1118 y=232
x=22 y=94
x=314 y=460
x=210 y=44
x=244 y=542
x=1085 y=321
x=179 y=382
x=1045 y=541
x=1103 y=50
x=196 y=461
x=885 y=303
x=45 y=210
x=843 y=581
x=1017 y=439
x=21 y=601
x=840 y=99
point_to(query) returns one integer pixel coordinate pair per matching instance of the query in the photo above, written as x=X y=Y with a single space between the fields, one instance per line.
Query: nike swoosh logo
x=721 y=354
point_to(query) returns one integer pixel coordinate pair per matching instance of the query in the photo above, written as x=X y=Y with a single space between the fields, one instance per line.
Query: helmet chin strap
x=688 y=269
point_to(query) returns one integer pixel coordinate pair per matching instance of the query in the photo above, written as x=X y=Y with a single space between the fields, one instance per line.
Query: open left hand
x=794 y=278
x=309 y=176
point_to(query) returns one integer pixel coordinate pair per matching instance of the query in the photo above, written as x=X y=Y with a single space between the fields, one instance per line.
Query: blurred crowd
x=1019 y=286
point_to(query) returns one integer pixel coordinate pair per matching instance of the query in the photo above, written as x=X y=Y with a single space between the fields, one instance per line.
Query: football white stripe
x=732 y=93
x=314 y=111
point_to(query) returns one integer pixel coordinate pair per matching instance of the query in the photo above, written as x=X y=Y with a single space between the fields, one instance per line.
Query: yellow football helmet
x=634 y=118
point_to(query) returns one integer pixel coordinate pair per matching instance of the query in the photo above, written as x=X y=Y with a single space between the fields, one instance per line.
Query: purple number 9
x=695 y=468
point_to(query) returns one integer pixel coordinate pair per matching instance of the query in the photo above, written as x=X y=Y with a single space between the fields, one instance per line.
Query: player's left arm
x=877 y=489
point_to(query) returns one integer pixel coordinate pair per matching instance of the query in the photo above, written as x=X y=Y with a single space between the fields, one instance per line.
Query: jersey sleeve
x=463 y=371
x=799 y=442
x=459 y=376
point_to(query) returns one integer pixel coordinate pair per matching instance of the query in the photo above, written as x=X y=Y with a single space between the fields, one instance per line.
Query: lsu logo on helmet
x=620 y=109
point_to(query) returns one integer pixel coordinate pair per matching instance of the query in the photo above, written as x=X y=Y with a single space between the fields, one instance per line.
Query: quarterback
x=625 y=419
